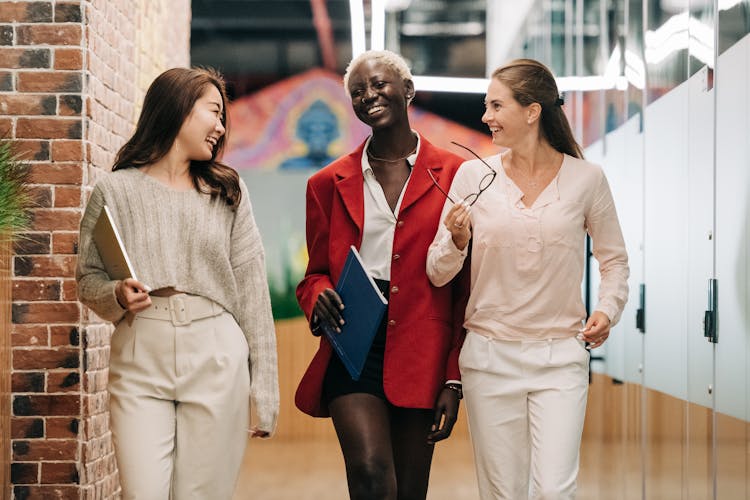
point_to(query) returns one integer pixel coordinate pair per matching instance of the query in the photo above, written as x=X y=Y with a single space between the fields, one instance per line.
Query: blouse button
x=391 y=322
x=394 y=289
x=396 y=256
x=400 y=223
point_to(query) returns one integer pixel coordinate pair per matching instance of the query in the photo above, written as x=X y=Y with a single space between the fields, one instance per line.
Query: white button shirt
x=380 y=222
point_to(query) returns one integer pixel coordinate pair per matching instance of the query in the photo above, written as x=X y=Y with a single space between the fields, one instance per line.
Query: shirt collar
x=411 y=159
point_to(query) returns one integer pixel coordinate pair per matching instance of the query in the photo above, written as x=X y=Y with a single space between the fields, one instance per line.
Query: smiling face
x=202 y=129
x=379 y=95
x=509 y=121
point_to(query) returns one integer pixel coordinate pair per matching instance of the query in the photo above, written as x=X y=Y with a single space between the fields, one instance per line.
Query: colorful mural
x=281 y=135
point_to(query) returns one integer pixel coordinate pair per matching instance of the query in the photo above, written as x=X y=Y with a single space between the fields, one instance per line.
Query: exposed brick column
x=72 y=75
x=42 y=80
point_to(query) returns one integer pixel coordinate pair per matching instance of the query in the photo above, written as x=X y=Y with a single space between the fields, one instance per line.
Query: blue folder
x=364 y=306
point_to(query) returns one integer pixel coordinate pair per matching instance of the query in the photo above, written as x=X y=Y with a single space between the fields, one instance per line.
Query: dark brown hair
x=168 y=102
x=531 y=81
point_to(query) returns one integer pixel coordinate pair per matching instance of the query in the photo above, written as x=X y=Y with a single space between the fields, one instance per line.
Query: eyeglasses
x=484 y=182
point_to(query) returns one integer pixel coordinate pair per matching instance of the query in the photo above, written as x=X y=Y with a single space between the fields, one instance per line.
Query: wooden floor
x=314 y=470
x=618 y=461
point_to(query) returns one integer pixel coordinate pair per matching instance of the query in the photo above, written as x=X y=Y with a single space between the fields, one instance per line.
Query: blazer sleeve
x=317 y=229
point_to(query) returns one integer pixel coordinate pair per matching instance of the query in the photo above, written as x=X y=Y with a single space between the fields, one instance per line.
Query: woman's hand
x=327 y=309
x=446 y=414
x=596 y=330
x=458 y=222
x=132 y=295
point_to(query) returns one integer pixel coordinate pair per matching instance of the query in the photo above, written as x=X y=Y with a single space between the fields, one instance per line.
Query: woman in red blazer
x=381 y=199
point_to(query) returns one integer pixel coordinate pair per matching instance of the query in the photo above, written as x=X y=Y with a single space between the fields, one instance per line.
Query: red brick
x=12 y=12
x=43 y=405
x=6 y=77
x=49 y=34
x=33 y=150
x=49 y=81
x=6 y=127
x=68 y=197
x=26 y=428
x=25 y=12
x=62 y=427
x=13 y=58
x=56 y=492
x=56 y=173
x=58 y=449
x=67 y=150
x=6 y=35
x=42 y=196
x=36 y=289
x=27 y=382
x=64 y=335
x=32 y=244
x=68 y=59
x=29 y=336
x=95 y=381
x=46 y=312
x=24 y=472
x=69 y=291
x=59 y=473
x=52 y=266
x=48 y=128
x=68 y=12
x=69 y=381
x=65 y=243
x=70 y=105
x=20 y=104
x=37 y=358
x=49 y=219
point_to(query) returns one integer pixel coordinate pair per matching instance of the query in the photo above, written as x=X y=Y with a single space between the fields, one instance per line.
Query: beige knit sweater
x=182 y=239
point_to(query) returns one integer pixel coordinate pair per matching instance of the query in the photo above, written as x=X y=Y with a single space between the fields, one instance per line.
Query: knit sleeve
x=95 y=289
x=254 y=313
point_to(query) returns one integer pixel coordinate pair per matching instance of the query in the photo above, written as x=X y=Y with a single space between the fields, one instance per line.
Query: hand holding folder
x=364 y=306
x=116 y=260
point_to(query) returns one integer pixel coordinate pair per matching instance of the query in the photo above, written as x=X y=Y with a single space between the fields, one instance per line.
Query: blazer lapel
x=420 y=182
x=350 y=185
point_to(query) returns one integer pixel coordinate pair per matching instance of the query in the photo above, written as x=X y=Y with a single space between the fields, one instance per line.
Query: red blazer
x=425 y=323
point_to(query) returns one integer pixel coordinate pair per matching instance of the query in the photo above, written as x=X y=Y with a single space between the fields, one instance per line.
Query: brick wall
x=72 y=75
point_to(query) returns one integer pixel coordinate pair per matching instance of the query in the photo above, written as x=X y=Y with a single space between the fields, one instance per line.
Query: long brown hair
x=168 y=102
x=531 y=81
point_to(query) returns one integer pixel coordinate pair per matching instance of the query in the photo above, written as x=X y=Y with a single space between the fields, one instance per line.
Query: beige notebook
x=111 y=248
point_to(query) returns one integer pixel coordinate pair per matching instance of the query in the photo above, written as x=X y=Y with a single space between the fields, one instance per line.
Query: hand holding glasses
x=484 y=182
x=458 y=220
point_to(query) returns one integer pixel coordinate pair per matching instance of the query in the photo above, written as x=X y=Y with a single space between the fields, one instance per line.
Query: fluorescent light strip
x=450 y=84
x=357 y=13
x=377 y=25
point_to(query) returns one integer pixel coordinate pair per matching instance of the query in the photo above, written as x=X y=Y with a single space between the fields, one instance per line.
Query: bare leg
x=362 y=423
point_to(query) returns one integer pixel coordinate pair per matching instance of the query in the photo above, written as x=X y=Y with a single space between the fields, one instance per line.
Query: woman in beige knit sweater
x=200 y=312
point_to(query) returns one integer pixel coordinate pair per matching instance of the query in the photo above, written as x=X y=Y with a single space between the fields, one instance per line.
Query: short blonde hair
x=386 y=57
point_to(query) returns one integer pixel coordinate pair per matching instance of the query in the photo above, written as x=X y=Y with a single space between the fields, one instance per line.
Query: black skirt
x=338 y=382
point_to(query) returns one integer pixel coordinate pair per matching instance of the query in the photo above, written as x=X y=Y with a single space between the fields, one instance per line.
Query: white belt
x=181 y=309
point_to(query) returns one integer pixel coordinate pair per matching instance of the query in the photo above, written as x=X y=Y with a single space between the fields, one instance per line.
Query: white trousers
x=526 y=402
x=179 y=395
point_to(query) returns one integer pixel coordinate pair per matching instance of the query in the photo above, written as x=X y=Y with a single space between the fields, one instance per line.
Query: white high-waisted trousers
x=526 y=402
x=179 y=390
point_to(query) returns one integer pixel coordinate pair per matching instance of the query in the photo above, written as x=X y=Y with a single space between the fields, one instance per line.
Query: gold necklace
x=373 y=157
